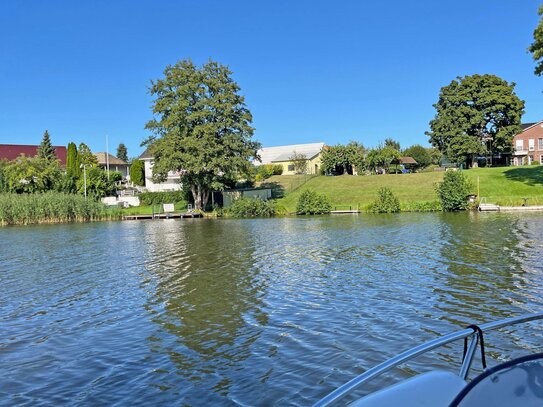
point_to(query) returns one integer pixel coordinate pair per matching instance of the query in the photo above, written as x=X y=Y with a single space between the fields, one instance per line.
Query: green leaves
x=313 y=203
x=45 y=149
x=386 y=202
x=475 y=115
x=137 y=172
x=343 y=158
x=536 y=48
x=122 y=152
x=453 y=191
x=201 y=127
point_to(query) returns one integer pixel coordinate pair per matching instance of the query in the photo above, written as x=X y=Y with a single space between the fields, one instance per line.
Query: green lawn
x=503 y=186
x=508 y=185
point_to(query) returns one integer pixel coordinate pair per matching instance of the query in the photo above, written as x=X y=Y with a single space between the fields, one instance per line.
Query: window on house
x=531 y=143
x=291 y=167
x=540 y=143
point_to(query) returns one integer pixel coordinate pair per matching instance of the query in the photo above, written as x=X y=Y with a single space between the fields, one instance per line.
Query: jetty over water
x=487 y=207
x=184 y=215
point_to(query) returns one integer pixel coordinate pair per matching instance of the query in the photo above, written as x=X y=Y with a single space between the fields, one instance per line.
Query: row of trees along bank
x=355 y=158
x=39 y=190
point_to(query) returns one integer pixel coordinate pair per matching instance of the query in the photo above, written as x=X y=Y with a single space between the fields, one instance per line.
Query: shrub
x=157 y=198
x=267 y=170
x=535 y=162
x=250 y=208
x=137 y=173
x=453 y=191
x=313 y=203
x=386 y=202
x=426 y=206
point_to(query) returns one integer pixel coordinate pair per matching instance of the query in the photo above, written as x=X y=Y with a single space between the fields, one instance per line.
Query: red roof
x=11 y=151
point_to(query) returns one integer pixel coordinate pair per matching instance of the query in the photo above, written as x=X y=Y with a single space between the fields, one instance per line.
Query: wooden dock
x=344 y=211
x=184 y=215
x=495 y=208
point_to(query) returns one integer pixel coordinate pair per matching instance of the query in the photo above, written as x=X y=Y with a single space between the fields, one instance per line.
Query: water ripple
x=252 y=312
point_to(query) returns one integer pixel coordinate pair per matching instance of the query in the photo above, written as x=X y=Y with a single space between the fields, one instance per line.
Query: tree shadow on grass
x=278 y=191
x=531 y=175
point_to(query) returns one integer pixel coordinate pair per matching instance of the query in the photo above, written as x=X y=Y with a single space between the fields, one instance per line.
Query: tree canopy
x=137 y=172
x=382 y=157
x=342 y=159
x=122 y=152
x=86 y=156
x=72 y=161
x=46 y=149
x=389 y=142
x=420 y=154
x=536 y=48
x=475 y=115
x=201 y=128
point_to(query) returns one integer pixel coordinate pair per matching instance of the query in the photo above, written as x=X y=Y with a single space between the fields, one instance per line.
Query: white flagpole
x=107 y=156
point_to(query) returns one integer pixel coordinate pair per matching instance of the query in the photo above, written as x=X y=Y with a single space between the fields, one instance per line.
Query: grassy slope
x=504 y=186
x=508 y=185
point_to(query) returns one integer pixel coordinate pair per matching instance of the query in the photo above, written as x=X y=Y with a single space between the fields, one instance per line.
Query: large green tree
x=382 y=157
x=202 y=128
x=477 y=114
x=536 y=48
x=86 y=156
x=72 y=161
x=122 y=152
x=420 y=154
x=31 y=174
x=343 y=158
x=46 y=149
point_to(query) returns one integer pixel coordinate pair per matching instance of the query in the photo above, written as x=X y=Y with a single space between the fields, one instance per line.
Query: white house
x=115 y=164
x=172 y=181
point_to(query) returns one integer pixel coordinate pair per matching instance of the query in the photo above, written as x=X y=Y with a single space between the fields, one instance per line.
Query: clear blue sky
x=310 y=70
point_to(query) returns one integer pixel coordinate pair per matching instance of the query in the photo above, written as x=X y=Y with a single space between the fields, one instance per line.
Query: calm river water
x=252 y=312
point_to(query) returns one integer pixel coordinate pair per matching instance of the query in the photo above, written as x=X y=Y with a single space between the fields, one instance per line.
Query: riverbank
x=506 y=186
x=52 y=207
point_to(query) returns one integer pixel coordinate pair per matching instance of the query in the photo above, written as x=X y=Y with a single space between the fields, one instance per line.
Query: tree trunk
x=196 y=196
x=201 y=196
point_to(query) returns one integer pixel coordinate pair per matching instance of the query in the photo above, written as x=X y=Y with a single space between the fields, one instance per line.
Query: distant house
x=281 y=155
x=11 y=151
x=528 y=144
x=115 y=164
x=172 y=182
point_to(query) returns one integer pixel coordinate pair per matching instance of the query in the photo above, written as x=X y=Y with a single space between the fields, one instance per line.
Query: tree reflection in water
x=207 y=300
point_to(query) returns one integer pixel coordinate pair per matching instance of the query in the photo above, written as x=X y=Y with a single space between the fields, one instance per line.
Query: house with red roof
x=10 y=152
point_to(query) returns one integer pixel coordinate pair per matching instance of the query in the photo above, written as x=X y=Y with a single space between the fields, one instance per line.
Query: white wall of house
x=171 y=184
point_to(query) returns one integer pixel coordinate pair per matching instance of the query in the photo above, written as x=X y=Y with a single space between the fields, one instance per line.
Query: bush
x=426 y=206
x=267 y=170
x=386 y=202
x=535 y=162
x=453 y=191
x=250 y=208
x=313 y=203
x=137 y=173
x=157 y=198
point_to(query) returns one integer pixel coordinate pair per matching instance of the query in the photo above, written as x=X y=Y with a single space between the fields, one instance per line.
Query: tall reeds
x=52 y=207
